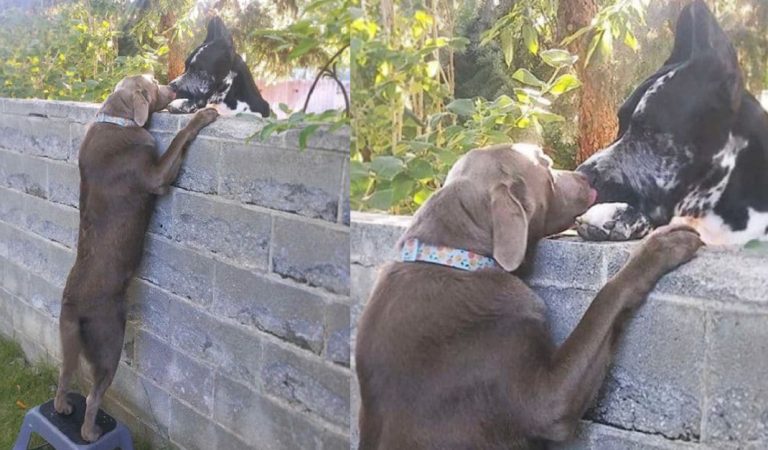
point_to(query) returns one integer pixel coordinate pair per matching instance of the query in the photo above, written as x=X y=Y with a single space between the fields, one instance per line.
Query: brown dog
x=455 y=359
x=120 y=176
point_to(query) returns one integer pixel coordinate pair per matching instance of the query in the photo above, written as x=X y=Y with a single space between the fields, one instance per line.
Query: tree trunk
x=598 y=124
x=175 y=52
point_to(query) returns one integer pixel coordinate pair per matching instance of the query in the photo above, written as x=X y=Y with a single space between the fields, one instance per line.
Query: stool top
x=70 y=425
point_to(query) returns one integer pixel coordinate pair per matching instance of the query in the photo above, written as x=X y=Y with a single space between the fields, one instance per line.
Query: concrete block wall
x=238 y=334
x=691 y=369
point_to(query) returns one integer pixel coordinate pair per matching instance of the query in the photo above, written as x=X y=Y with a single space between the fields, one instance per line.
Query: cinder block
x=184 y=377
x=162 y=217
x=70 y=111
x=35 y=136
x=6 y=318
x=306 y=382
x=200 y=169
x=239 y=234
x=288 y=312
x=178 y=270
x=338 y=330
x=567 y=263
x=192 y=431
x=43 y=257
x=238 y=128
x=142 y=397
x=654 y=385
x=231 y=348
x=363 y=280
x=23 y=173
x=338 y=141
x=729 y=276
x=163 y=121
x=311 y=254
x=737 y=393
x=63 y=184
x=43 y=295
x=306 y=183
x=599 y=437
x=344 y=208
x=12 y=207
x=259 y=419
x=373 y=237
x=150 y=307
x=77 y=134
x=53 y=222
x=15 y=279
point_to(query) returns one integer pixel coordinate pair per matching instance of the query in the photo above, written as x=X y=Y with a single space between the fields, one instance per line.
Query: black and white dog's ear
x=217 y=30
x=698 y=34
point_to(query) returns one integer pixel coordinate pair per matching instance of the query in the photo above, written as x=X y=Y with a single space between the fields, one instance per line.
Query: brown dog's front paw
x=90 y=434
x=204 y=117
x=62 y=406
x=670 y=246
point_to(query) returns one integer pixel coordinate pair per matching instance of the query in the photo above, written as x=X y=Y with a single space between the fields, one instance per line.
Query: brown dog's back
x=432 y=339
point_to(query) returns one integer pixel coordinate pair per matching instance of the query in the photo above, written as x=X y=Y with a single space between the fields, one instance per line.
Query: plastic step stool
x=63 y=432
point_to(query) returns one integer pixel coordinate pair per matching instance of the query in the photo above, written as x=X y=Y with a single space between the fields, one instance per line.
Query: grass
x=22 y=386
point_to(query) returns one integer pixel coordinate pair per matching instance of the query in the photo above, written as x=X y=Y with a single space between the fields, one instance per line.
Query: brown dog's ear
x=140 y=108
x=510 y=228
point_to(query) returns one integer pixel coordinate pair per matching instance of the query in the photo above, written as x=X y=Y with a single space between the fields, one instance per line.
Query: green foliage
x=22 y=386
x=408 y=127
x=69 y=52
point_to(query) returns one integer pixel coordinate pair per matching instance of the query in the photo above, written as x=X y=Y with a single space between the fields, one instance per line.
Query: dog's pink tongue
x=592 y=196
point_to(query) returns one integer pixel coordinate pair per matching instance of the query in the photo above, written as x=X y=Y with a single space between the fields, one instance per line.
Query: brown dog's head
x=136 y=97
x=498 y=200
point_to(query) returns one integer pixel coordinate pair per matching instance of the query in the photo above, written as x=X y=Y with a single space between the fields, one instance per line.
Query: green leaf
x=420 y=169
x=284 y=108
x=631 y=41
x=387 y=167
x=381 y=199
x=558 y=58
x=526 y=77
x=357 y=171
x=306 y=133
x=421 y=196
x=564 y=83
x=303 y=48
x=402 y=185
x=756 y=244
x=462 y=107
x=531 y=39
x=507 y=40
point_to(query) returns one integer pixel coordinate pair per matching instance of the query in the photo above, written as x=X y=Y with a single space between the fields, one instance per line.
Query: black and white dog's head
x=215 y=73
x=692 y=147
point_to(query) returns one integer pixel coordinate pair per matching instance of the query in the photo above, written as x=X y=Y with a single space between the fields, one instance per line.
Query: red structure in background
x=293 y=93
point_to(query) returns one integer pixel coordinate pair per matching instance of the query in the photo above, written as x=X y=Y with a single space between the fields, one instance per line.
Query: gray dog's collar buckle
x=414 y=250
x=123 y=122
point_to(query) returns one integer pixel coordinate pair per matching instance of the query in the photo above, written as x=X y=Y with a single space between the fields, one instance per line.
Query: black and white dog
x=692 y=147
x=215 y=74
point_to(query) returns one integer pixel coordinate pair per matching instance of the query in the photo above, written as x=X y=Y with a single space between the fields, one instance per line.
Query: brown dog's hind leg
x=102 y=345
x=69 y=332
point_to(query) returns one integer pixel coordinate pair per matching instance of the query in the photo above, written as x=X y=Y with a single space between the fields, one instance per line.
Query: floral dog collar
x=414 y=250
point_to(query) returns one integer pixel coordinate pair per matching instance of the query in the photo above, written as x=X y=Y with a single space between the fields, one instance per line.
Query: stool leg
x=126 y=442
x=22 y=441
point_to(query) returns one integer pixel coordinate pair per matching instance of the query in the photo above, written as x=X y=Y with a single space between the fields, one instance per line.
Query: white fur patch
x=652 y=90
x=697 y=208
x=612 y=222
x=219 y=97
x=200 y=50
